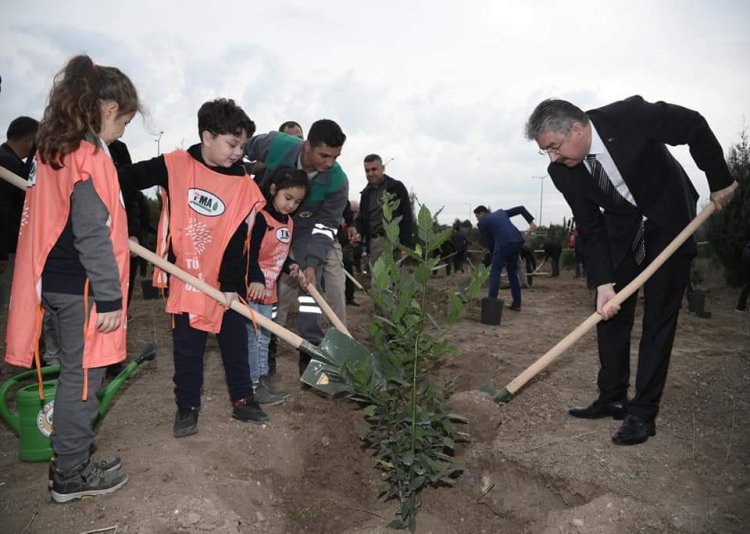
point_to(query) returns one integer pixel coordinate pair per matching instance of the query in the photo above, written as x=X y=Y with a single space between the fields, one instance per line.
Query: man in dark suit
x=630 y=198
x=504 y=242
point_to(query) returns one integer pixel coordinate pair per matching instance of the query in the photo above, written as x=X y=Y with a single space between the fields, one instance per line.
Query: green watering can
x=32 y=420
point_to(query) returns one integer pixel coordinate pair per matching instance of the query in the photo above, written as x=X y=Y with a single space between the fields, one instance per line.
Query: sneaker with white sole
x=112 y=463
x=85 y=480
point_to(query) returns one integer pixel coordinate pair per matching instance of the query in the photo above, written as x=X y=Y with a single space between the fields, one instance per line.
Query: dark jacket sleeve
x=522 y=211
x=135 y=177
x=143 y=175
x=327 y=223
x=256 y=239
x=234 y=263
x=404 y=211
x=484 y=236
x=360 y=222
x=257 y=147
x=677 y=125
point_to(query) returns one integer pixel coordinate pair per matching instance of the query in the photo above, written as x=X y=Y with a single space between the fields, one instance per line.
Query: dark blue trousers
x=189 y=349
x=507 y=257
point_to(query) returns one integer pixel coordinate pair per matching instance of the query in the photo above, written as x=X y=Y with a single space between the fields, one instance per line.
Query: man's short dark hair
x=326 y=131
x=373 y=157
x=223 y=116
x=481 y=209
x=21 y=128
x=289 y=124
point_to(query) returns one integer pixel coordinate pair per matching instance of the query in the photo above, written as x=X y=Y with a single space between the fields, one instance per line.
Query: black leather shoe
x=634 y=430
x=598 y=409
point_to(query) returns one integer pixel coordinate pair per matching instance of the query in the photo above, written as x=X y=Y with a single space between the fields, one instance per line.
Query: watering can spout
x=107 y=393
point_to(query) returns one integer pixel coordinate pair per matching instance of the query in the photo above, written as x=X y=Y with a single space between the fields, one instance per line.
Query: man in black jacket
x=369 y=222
x=18 y=147
x=630 y=198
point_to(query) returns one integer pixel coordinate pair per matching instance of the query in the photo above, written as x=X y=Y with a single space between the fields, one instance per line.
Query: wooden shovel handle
x=13 y=178
x=354 y=281
x=539 y=365
x=341 y=327
x=290 y=337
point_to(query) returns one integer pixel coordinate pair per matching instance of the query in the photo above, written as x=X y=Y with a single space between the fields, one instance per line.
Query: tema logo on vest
x=205 y=203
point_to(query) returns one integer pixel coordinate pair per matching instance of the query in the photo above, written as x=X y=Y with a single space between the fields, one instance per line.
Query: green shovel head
x=336 y=349
x=323 y=377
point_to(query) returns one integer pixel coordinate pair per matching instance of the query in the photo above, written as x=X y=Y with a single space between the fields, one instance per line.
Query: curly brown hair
x=74 y=106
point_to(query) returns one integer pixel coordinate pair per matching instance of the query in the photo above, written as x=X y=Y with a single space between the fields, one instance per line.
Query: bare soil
x=529 y=468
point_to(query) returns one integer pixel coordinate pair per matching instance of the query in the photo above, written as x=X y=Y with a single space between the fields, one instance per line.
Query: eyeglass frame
x=554 y=149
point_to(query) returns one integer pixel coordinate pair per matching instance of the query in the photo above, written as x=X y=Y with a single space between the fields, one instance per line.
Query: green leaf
x=424 y=219
x=407 y=458
x=455 y=308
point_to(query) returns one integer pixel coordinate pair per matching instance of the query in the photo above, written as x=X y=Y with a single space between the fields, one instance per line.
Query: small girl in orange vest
x=73 y=244
x=271 y=239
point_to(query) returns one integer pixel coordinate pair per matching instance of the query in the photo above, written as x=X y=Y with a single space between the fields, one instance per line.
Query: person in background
x=527 y=255
x=552 y=252
x=292 y=128
x=504 y=242
x=460 y=246
x=74 y=246
x=15 y=155
x=347 y=251
x=356 y=245
x=369 y=222
x=630 y=198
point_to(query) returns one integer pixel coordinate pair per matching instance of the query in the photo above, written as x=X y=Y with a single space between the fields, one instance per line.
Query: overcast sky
x=442 y=87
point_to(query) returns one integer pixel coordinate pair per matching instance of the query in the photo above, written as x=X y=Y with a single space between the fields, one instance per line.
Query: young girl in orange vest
x=207 y=199
x=271 y=238
x=73 y=246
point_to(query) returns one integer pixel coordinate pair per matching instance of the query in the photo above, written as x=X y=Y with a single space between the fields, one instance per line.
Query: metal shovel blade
x=336 y=349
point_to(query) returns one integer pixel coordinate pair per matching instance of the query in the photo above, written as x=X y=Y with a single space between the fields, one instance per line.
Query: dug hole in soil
x=529 y=467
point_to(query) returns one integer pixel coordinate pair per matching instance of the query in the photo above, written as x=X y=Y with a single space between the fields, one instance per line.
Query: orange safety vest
x=199 y=217
x=45 y=214
x=274 y=250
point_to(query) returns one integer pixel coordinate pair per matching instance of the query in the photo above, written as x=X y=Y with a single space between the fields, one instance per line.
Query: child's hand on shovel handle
x=229 y=297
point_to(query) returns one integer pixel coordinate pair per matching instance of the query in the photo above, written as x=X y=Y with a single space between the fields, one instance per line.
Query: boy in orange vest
x=208 y=198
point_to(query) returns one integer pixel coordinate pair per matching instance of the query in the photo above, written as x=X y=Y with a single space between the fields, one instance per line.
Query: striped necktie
x=605 y=184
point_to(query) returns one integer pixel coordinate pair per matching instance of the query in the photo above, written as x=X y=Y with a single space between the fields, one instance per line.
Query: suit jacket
x=636 y=133
x=497 y=231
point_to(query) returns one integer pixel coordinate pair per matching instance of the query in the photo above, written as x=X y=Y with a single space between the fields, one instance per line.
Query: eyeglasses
x=554 y=149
